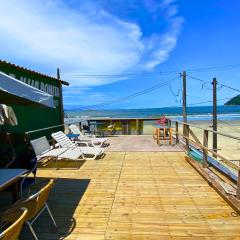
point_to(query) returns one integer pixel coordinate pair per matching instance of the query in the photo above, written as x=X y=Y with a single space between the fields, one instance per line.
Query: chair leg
x=31 y=229
x=51 y=216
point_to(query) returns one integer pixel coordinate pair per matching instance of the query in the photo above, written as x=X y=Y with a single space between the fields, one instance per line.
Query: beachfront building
x=31 y=117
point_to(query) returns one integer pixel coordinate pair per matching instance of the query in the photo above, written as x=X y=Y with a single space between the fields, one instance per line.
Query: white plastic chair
x=65 y=142
x=42 y=149
x=96 y=142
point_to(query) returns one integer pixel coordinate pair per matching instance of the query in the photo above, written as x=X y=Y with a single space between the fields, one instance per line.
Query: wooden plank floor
x=140 y=143
x=134 y=195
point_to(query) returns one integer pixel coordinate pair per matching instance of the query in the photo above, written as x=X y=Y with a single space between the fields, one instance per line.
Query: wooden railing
x=185 y=138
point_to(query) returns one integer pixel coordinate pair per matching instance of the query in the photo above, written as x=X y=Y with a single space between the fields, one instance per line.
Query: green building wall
x=29 y=117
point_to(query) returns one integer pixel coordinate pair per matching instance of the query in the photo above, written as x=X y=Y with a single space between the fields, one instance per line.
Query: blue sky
x=87 y=37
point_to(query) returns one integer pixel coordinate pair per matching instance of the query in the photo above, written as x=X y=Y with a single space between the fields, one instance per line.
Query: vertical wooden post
x=137 y=126
x=214 y=119
x=80 y=126
x=169 y=122
x=186 y=134
x=177 y=136
x=158 y=135
x=127 y=127
x=184 y=96
x=205 y=152
x=238 y=185
x=60 y=96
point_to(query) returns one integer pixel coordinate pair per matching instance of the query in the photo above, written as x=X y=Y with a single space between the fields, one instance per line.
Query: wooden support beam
x=238 y=186
x=137 y=127
x=194 y=136
x=205 y=153
x=186 y=135
x=177 y=134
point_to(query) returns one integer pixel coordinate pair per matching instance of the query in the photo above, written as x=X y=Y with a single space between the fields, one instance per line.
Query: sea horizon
x=194 y=113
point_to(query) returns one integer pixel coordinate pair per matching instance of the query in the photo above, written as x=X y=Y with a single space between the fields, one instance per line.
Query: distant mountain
x=233 y=101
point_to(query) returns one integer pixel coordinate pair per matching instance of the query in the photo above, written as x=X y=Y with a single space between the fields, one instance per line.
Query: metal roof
x=31 y=71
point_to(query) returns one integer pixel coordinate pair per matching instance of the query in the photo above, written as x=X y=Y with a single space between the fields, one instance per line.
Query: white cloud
x=50 y=33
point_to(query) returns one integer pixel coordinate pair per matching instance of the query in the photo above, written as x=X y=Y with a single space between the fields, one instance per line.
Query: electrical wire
x=234 y=89
x=77 y=74
x=120 y=75
x=198 y=79
x=192 y=104
x=206 y=82
x=136 y=94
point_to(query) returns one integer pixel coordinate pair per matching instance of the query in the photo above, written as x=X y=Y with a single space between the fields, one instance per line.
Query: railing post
x=186 y=135
x=205 y=152
x=177 y=136
x=238 y=186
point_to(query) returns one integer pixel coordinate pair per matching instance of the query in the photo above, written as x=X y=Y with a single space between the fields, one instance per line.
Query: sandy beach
x=229 y=148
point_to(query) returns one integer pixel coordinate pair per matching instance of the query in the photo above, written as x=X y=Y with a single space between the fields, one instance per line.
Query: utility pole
x=184 y=109
x=184 y=96
x=60 y=96
x=214 y=117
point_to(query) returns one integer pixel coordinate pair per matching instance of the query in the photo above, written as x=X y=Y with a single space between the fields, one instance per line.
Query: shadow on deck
x=64 y=199
x=136 y=195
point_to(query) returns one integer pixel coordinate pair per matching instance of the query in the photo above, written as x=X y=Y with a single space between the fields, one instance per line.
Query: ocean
x=226 y=113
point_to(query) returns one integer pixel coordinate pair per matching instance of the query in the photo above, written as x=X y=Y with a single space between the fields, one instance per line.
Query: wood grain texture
x=137 y=195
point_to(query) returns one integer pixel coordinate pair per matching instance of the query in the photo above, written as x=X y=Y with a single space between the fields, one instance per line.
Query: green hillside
x=233 y=101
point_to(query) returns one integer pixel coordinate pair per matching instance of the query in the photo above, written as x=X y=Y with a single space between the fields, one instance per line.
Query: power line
x=237 y=90
x=153 y=88
x=120 y=75
x=198 y=79
x=77 y=74
x=209 y=101
x=216 y=68
x=220 y=85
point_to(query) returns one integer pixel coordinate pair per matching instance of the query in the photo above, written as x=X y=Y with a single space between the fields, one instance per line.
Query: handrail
x=218 y=132
x=211 y=151
x=42 y=129
x=204 y=146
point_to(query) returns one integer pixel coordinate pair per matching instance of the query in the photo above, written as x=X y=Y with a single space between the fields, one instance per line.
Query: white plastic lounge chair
x=42 y=149
x=96 y=142
x=65 y=142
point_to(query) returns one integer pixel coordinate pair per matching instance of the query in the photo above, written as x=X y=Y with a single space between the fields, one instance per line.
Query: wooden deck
x=140 y=143
x=137 y=195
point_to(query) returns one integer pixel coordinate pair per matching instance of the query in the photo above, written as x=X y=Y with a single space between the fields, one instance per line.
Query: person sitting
x=162 y=121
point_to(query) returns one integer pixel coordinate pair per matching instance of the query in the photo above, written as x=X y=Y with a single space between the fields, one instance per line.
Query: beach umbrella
x=15 y=92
